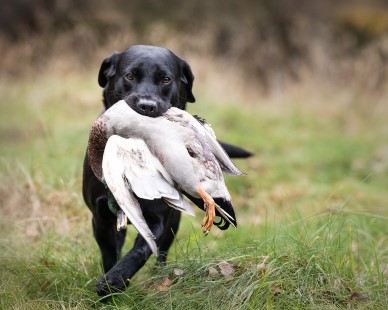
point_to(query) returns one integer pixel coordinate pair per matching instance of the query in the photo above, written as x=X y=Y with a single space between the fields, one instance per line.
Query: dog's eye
x=130 y=76
x=166 y=80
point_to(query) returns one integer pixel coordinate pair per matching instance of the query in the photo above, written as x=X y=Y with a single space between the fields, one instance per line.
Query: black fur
x=151 y=79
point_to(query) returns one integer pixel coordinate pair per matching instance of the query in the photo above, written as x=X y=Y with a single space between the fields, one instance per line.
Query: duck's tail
x=224 y=209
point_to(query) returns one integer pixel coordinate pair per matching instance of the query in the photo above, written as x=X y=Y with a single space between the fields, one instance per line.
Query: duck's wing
x=207 y=131
x=226 y=164
x=113 y=169
x=144 y=173
x=232 y=150
x=204 y=131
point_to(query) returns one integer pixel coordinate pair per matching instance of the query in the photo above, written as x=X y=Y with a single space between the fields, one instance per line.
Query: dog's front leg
x=158 y=215
x=116 y=279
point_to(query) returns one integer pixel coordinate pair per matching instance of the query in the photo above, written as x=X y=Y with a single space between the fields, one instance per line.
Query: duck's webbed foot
x=208 y=220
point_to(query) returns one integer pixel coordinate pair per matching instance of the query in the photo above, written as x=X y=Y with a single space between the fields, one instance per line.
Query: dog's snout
x=148 y=107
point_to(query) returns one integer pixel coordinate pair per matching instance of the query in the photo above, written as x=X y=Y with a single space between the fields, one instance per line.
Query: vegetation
x=301 y=84
x=312 y=209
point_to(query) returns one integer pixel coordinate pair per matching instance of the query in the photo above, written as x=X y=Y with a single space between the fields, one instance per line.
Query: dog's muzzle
x=146 y=105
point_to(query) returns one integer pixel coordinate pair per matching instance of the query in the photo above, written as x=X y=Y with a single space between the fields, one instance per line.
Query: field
x=312 y=209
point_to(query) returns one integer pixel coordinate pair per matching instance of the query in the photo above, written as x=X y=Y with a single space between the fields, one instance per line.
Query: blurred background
x=265 y=45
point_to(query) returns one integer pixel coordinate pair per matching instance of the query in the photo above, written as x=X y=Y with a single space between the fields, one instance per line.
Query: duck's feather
x=113 y=176
x=145 y=175
x=142 y=171
x=223 y=159
x=204 y=129
x=224 y=209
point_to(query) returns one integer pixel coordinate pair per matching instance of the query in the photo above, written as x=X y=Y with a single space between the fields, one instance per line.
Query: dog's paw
x=110 y=285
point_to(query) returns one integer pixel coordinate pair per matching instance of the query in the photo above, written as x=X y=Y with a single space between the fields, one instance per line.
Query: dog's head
x=150 y=79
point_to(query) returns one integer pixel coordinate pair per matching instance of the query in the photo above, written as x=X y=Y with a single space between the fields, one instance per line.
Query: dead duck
x=161 y=157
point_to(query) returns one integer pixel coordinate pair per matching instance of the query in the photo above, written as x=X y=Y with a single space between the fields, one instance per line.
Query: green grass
x=312 y=210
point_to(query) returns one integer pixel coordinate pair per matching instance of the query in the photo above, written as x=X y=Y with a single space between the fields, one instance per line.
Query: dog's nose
x=148 y=107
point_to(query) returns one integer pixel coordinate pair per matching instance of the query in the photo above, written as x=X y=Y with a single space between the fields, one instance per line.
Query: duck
x=162 y=157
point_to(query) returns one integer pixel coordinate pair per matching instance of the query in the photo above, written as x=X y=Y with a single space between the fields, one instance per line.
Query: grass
x=312 y=209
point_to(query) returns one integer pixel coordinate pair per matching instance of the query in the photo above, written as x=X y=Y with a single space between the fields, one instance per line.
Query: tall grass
x=298 y=265
x=312 y=209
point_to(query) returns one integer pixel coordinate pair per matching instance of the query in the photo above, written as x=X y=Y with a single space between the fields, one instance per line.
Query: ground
x=312 y=209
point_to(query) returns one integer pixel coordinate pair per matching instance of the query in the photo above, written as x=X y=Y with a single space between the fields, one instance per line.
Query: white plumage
x=160 y=158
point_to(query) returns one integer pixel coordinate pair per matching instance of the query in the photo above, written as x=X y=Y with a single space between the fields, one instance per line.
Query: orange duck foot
x=209 y=205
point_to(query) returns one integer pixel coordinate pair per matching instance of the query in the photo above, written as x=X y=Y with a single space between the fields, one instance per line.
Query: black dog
x=151 y=79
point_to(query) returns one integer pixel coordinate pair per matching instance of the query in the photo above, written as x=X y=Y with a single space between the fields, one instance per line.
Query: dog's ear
x=187 y=78
x=108 y=69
